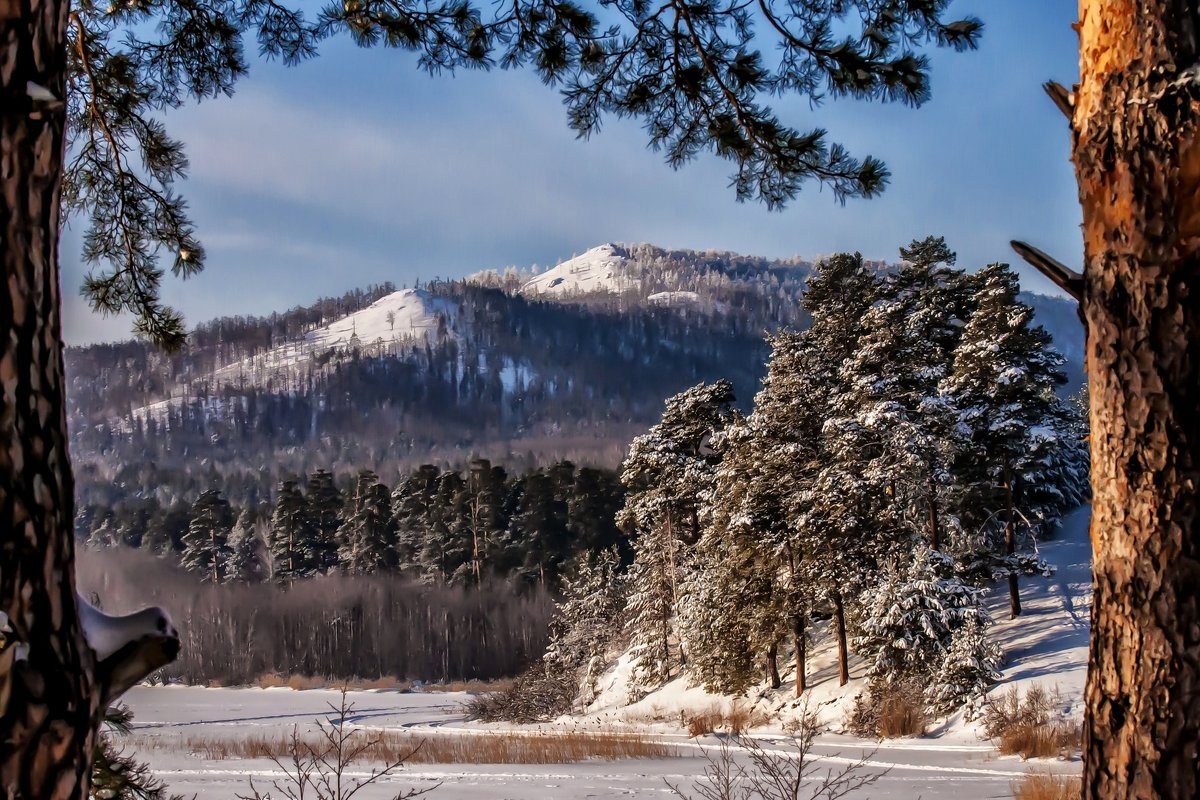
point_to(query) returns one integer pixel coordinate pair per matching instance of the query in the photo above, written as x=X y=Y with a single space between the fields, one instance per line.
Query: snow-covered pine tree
x=969 y=666
x=921 y=623
x=292 y=532
x=206 y=544
x=831 y=508
x=368 y=533
x=785 y=443
x=736 y=607
x=668 y=471
x=486 y=490
x=325 y=506
x=248 y=553
x=1002 y=390
x=586 y=619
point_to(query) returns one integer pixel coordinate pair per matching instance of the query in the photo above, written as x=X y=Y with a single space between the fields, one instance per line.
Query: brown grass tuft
x=738 y=718
x=481 y=748
x=1032 y=726
x=272 y=680
x=889 y=710
x=1047 y=786
x=901 y=714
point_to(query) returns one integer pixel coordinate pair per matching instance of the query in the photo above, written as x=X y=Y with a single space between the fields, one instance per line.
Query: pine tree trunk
x=1010 y=546
x=48 y=699
x=1137 y=160
x=801 y=653
x=935 y=539
x=773 y=666
x=839 y=621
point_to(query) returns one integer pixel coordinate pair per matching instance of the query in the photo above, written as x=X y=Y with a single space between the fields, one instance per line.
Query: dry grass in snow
x=1047 y=786
x=481 y=748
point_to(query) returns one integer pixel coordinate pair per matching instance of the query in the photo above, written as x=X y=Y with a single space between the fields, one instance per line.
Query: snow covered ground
x=1046 y=645
x=166 y=718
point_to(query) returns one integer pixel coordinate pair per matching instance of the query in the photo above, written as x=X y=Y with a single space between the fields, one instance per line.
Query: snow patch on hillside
x=385 y=327
x=674 y=298
x=602 y=269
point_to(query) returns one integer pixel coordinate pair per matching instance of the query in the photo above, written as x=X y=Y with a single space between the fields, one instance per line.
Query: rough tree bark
x=53 y=688
x=799 y=638
x=772 y=666
x=843 y=652
x=1010 y=546
x=1137 y=160
x=48 y=702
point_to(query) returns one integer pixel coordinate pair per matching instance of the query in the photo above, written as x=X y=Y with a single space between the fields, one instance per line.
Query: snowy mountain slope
x=395 y=320
x=600 y=270
x=1046 y=645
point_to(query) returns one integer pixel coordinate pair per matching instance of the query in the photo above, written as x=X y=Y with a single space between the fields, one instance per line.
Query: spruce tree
x=584 y=622
x=325 y=508
x=539 y=528
x=206 y=547
x=292 y=533
x=922 y=624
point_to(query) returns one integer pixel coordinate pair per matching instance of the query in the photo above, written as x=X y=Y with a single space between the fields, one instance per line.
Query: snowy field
x=166 y=718
x=1047 y=646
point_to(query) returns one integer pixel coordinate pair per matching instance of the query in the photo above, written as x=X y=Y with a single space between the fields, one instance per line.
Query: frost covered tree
x=411 y=503
x=739 y=602
x=292 y=532
x=667 y=474
x=206 y=547
x=1002 y=391
x=831 y=505
x=586 y=618
x=922 y=622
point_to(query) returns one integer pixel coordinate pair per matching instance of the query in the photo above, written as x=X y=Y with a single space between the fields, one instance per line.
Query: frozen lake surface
x=167 y=718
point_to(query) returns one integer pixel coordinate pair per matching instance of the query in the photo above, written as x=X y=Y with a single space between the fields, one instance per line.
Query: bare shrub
x=320 y=767
x=768 y=774
x=538 y=695
x=889 y=710
x=1032 y=726
x=1047 y=786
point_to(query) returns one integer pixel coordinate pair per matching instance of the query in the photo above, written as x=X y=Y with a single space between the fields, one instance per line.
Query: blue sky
x=357 y=168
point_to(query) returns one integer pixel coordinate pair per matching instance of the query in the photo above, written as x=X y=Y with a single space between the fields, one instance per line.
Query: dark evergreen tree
x=411 y=505
x=368 y=533
x=325 y=507
x=206 y=548
x=539 y=528
x=292 y=533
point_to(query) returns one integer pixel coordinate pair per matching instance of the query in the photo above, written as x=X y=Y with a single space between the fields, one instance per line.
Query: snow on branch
x=128 y=648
